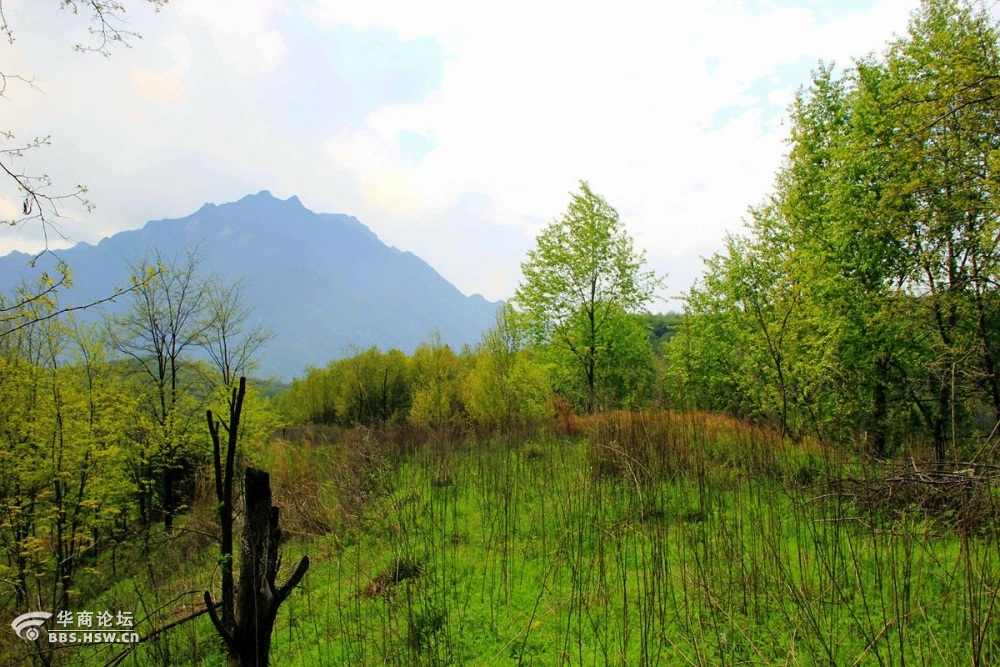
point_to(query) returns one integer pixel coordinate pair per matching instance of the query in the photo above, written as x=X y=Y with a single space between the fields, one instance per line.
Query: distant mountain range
x=324 y=283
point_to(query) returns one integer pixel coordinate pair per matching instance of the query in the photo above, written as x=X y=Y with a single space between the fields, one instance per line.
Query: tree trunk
x=880 y=408
x=256 y=608
x=168 y=500
x=257 y=600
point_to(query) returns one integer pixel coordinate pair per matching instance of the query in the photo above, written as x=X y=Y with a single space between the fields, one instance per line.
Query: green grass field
x=635 y=540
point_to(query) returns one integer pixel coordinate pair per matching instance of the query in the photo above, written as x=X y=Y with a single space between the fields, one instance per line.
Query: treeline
x=502 y=382
x=102 y=426
x=861 y=304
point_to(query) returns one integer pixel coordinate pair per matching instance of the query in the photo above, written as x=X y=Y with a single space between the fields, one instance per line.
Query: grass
x=645 y=539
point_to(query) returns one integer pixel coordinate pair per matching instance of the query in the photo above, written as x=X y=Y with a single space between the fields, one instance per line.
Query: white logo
x=26 y=625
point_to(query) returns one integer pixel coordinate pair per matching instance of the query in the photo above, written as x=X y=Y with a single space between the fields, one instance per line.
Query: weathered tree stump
x=257 y=599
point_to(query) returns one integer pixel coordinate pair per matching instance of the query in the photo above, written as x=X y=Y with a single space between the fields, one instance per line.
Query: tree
x=372 y=387
x=863 y=302
x=167 y=319
x=62 y=431
x=173 y=319
x=230 y=340
x=249 y=610
x=935 y=103
x=507 y=386
x=583 y=274
x=310 y=400
x=436 y=373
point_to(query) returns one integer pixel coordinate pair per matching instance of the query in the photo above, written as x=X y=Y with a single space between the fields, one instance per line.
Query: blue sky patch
x=414 y=145
x=333 y=79
x=784 y=76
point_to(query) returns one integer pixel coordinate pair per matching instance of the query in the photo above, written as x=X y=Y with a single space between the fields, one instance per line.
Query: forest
x=800 y=467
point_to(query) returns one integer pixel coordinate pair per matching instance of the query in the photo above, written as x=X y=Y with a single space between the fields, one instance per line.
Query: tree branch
x=217 y=622
x=293 y=581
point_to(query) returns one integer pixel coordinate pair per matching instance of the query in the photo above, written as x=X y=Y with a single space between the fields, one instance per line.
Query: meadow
x=622 y=538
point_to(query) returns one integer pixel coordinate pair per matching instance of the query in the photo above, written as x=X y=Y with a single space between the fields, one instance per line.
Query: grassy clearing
x=631 y=539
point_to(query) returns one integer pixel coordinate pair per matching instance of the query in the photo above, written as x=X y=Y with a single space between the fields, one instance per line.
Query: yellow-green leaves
x=583 y=274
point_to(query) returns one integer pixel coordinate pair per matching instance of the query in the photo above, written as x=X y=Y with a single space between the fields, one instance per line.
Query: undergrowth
x=630 y=539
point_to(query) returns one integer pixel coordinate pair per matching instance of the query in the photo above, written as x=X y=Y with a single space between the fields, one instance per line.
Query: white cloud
x=539 y=95
x=671 y=110
x=241 y=30
x=165 y=85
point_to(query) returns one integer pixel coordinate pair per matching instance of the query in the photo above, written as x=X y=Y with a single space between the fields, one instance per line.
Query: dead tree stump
x=257 y=599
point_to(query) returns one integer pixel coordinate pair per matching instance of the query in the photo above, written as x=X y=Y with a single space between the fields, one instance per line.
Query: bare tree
x=108 y=29
x=232 y=339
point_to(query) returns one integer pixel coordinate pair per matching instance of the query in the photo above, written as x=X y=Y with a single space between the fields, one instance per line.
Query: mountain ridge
x=324 y=282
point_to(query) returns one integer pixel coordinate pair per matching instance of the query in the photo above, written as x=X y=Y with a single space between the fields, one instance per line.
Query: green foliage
x=258 y=421
x=662 y=327
x=622 y=373
x=95 y=419
x=507 y=386
x=658 y=538
x=64 y=487
x=862 y=303
x=437 y=384
x=310 y=399
x=366 y=388
x=185 y=338
x=375 y=386
x=578 y=285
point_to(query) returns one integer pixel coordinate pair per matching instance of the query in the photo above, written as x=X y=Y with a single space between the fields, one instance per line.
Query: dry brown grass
x=663 y=444
x=963 y=496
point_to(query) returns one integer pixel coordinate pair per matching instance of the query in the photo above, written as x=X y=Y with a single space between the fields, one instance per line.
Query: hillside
x=324 y=283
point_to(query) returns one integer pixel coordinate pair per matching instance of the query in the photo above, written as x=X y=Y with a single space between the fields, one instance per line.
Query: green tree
x=935 y=105
x=166 y=321
x=311 y=399
x=437 y=384
x=863 y=301
x=507 y=385
x=63 y=487
x=583 y=274
x=186 y=338
x=372 y=386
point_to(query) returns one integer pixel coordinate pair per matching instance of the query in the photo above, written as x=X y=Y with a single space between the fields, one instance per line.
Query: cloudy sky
x=454 y=129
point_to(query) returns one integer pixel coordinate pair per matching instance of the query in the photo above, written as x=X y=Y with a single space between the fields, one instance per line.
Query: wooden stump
x=257 y=600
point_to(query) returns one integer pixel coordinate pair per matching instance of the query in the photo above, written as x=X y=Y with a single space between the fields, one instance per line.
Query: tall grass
x=627 y=539
x=657 y=538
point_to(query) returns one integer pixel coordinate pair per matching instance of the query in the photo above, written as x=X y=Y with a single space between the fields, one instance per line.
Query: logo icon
x=26 y=625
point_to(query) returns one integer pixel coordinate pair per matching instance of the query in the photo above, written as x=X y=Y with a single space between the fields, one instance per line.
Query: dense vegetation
x=799 y=469
x=861 y=305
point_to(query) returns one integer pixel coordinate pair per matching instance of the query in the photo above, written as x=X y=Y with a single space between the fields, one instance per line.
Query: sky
x=454 y=129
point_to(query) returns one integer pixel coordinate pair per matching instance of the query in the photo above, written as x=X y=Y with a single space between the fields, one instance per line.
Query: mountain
x=324 y=283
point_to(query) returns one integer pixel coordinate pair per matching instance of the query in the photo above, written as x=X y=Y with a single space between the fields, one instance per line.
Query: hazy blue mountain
x=322 y=282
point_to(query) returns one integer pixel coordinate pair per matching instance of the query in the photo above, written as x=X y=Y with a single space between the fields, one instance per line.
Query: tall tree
x=62 y=484
x=939 y=93
x=583 y=274
x=878 y=308
x=230 y=338
x=166 y=321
